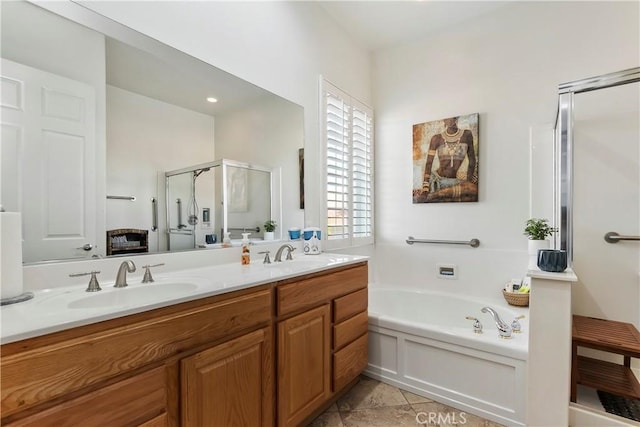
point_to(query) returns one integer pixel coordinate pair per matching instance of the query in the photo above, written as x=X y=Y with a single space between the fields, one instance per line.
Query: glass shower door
x=606 y=198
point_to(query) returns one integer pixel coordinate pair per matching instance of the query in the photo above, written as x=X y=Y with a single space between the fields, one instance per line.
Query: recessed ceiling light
x=212 y=99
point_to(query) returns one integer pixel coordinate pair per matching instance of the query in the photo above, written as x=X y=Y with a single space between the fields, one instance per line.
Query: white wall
x=147 y=137
x=280 y=46
x=267 y=133
x=506 y=66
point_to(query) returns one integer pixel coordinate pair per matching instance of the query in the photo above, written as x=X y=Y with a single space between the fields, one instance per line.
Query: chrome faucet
x=504 y=330
x=288 y=247
x=121 y=277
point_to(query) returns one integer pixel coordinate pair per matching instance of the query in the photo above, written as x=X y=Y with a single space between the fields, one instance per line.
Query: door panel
x=607 y=198
x=49 y=122
x=304 y=370
x=229 y=384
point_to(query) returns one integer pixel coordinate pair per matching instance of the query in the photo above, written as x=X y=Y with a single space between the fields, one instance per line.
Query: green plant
x=270 y=225
x=538 y=229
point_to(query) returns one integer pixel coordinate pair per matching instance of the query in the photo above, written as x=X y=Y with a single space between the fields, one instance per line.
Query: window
x=348 y=168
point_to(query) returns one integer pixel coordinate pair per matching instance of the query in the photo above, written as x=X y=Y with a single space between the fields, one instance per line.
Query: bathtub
x=421 y=342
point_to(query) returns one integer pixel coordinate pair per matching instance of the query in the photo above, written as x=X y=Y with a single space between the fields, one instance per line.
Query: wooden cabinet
x=230 y=384
x=41 y=375
x=313 y=367
x=304 y=370
x=209 y=362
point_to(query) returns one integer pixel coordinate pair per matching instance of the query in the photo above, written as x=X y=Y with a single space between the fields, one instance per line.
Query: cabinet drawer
x=319 y=289
x=159 y=421
x=139 y=400
x=349 y=330
x=349 y=362
x=348 y=305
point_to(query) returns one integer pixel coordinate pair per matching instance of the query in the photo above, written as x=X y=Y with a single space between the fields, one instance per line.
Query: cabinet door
x=230 y=384
x=304 y=370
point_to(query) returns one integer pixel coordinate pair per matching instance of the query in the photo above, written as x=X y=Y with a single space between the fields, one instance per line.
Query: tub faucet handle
x=477 y=326
x=516 y=327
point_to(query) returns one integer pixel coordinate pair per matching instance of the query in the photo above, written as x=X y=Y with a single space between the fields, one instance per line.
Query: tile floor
x=371 y=403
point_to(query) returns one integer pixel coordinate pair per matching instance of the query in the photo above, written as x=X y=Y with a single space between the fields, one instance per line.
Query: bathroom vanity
x=275 y=353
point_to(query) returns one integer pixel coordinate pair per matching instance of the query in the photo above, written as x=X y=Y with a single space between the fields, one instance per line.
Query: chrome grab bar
x=613 y=237
x=474 y=243
x=130 y=198
x=154 y=214
x=244 y=229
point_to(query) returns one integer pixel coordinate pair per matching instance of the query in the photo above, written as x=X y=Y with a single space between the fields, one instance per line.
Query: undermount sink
x=134 y=295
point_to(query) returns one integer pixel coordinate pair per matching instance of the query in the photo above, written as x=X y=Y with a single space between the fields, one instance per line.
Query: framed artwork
x=301 y=174
x=238 y=188
x=445 y=160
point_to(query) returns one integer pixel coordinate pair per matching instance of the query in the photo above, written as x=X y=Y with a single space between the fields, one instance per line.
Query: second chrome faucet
x=286 y=247
x=504 y=330
x=121 y=277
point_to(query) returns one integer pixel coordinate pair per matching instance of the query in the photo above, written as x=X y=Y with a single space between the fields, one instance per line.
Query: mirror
x=207 y=201
x=115 y=110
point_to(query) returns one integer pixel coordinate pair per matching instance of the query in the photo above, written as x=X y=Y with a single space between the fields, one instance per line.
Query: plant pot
x=554 y=261
x=269 y=235
x=534 y=247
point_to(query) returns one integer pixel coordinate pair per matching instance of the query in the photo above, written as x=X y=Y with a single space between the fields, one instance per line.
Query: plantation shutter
x=362 y=171
x=348 y=129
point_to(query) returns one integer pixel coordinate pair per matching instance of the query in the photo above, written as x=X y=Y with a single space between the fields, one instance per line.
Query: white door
x=607 y=199
x=48 y=161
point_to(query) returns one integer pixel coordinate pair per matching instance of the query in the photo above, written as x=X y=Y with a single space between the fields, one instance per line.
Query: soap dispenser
x=246 y=254
x=226 y=242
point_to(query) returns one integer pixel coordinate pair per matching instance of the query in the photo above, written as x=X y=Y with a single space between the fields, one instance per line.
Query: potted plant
x=537 y=230
x=269 y=227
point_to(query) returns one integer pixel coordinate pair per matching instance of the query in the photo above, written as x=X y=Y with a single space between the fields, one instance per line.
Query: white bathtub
x=421 y=342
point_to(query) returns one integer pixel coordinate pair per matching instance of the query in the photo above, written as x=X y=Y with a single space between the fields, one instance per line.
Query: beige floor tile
x=332 y=408
x=414 y=398
x=328 y=419
x=371 y=403
x=388 y=416
x=369 y=393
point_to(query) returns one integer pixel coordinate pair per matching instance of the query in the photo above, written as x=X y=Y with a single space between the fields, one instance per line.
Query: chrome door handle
x=86 y=247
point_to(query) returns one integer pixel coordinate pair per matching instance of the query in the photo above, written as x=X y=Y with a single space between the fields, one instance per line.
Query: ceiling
x=184 y=81
x=383 y=24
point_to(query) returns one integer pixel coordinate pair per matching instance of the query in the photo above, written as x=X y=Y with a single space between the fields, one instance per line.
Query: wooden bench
x=610 y=336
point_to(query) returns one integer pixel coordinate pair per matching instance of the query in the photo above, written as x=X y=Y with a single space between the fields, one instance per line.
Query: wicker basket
x=516 y=298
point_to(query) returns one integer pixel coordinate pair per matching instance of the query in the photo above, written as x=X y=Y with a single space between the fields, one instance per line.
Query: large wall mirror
x=93 y=116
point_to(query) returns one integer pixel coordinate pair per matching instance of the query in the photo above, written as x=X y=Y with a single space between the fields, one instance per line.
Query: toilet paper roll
x=10 y=255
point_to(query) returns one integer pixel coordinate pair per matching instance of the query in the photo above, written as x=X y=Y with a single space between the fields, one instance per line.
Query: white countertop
x=60 y=308
x=565 y=276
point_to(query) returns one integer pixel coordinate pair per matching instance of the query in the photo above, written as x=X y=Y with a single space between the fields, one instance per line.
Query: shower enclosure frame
x=564 y=149
x=223 y=164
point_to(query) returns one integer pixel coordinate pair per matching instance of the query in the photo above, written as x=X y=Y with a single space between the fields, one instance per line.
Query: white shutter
x=362 y=171
x=348 y=148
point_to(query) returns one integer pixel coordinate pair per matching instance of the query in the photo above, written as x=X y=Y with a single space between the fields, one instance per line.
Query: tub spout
x=504 y=330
